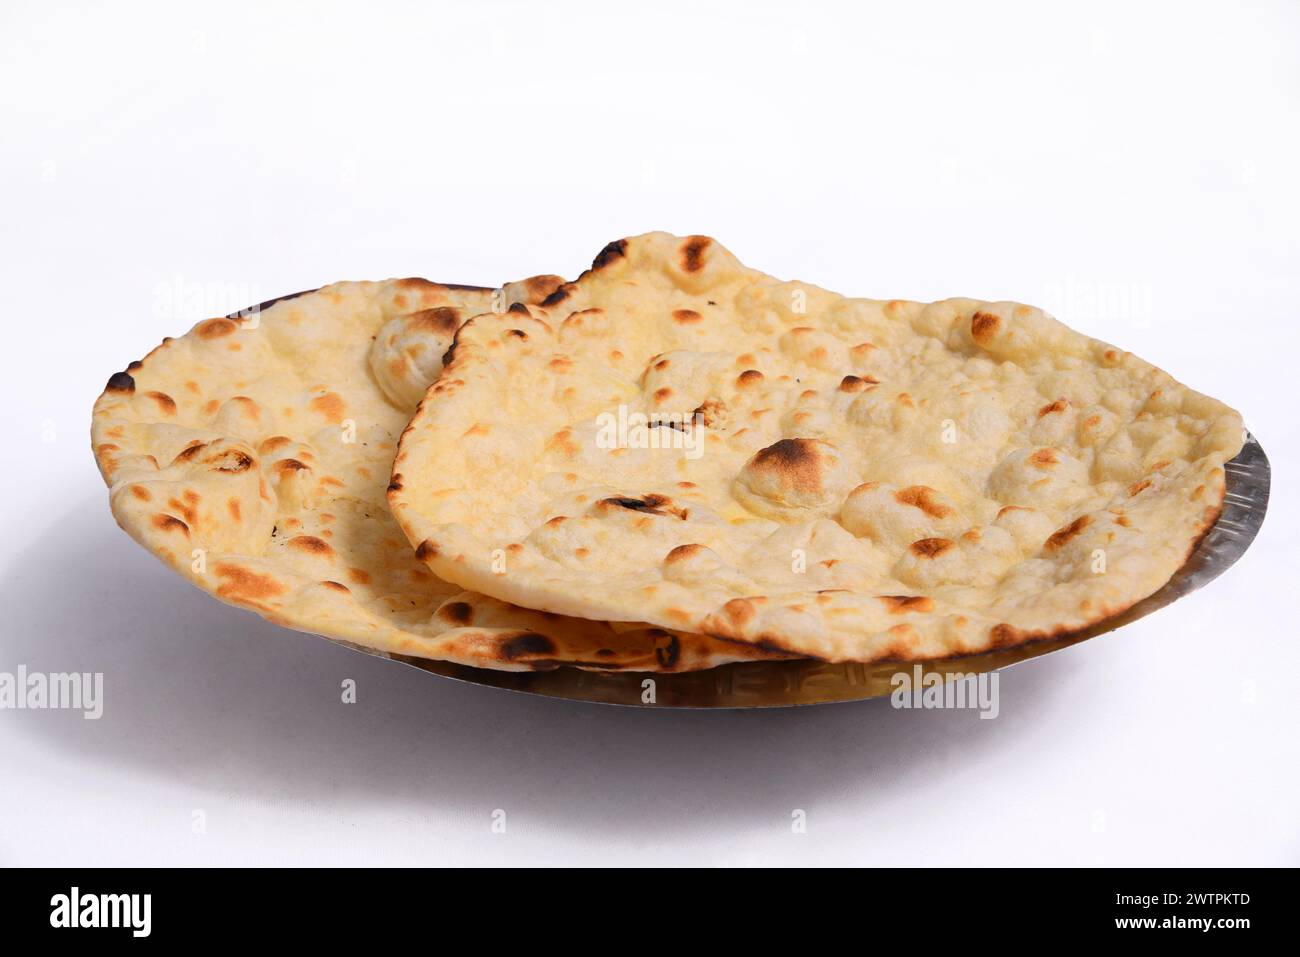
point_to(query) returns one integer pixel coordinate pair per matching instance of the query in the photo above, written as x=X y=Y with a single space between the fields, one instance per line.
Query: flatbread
x=252 y=456
x=877 y=479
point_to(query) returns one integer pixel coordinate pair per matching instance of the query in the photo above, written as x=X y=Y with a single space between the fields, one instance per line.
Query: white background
x=1130 y=166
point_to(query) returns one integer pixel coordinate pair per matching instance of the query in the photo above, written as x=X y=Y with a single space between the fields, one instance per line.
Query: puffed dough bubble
x=819 y=350
x=894 y=517
x=693 y=564
x=1038 y=474
x=979 y=557
x=1013 y=332
x=1028 y=527
x=407 y=352
x=793 y=477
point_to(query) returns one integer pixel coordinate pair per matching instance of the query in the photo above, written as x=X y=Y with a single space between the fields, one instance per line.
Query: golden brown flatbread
x=847 y=479
x=253 y=453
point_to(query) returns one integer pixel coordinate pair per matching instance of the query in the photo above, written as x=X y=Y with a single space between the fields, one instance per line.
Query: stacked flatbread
x=672 y=463
x=252 y=455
